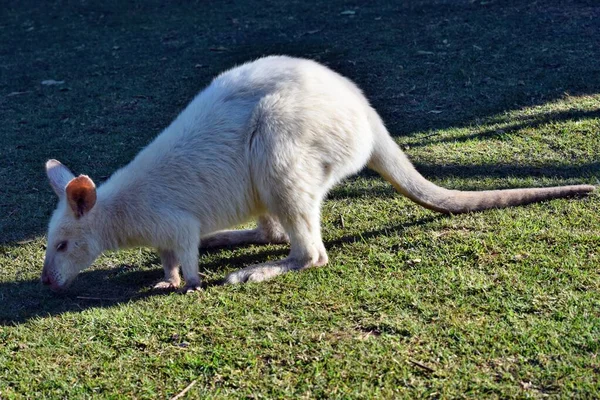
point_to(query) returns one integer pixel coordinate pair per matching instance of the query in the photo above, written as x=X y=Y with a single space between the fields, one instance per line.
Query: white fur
x=264 y=140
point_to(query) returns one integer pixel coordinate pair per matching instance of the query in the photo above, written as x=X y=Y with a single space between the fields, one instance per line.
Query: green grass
x=481 y=94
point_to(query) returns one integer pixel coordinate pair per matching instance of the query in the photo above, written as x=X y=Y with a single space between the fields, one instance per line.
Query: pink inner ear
x=81 y=195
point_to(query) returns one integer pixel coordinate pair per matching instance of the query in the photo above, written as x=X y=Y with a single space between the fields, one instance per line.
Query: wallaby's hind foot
x=266 y=271
x=268 y=231
x=299 y=214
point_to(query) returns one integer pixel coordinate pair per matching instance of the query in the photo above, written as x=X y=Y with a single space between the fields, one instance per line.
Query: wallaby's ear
x=59 y=176
x=81 y=195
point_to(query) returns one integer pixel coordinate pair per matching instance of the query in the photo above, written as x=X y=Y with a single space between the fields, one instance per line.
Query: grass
x=481 y=94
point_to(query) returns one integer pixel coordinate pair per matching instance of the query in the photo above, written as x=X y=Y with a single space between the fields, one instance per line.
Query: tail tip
x=588 y=188
x=583 y=190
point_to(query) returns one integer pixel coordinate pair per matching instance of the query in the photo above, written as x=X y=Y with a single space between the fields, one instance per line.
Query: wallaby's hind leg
x=171 y=268
x=268 y=231
x=301 y=221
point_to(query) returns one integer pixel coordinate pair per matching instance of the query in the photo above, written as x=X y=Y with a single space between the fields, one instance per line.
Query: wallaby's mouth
x=50 y=281
x=54 y=286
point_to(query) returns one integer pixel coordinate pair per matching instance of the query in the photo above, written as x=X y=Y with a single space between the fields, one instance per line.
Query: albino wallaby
x=264 y=140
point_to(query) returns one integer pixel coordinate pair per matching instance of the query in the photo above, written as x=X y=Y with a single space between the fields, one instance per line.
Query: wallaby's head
x=73 y=242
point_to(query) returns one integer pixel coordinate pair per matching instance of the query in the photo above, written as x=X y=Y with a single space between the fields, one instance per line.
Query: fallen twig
x=184 y=391
x=423 y=366
x=430 y=135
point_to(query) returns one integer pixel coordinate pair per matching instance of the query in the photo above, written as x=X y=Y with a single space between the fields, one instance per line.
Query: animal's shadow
x=27 y=299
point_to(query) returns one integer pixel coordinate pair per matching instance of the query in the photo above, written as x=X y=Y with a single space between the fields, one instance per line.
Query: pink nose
x=47 y=280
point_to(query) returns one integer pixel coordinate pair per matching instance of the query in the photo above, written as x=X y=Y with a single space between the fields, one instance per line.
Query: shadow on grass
x=504 y=127
x=25 y=300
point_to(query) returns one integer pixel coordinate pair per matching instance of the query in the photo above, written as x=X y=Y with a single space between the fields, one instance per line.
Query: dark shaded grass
x=129 y=69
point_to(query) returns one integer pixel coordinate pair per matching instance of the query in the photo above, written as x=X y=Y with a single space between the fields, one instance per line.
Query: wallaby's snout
x=48 y=280
x=53 y=277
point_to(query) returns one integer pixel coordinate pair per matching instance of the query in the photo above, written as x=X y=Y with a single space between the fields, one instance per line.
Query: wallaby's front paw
x=191 y=287
x=166 y=285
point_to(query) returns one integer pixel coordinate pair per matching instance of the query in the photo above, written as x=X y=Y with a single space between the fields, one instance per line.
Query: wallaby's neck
x=121 y=216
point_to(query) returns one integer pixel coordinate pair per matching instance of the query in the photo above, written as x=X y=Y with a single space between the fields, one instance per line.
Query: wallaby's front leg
x=187 y=241
x=171 y=268
x=189 y=268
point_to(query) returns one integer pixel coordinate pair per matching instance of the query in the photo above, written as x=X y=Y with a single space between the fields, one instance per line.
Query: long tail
x=389 y=161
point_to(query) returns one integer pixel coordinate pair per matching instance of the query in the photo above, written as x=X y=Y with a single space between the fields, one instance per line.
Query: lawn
x=480 y=94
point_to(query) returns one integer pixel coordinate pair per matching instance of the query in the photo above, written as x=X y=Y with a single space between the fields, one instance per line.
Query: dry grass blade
x=184 y=391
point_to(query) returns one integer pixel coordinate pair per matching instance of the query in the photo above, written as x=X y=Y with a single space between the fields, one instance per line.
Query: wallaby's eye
x=62 y=246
